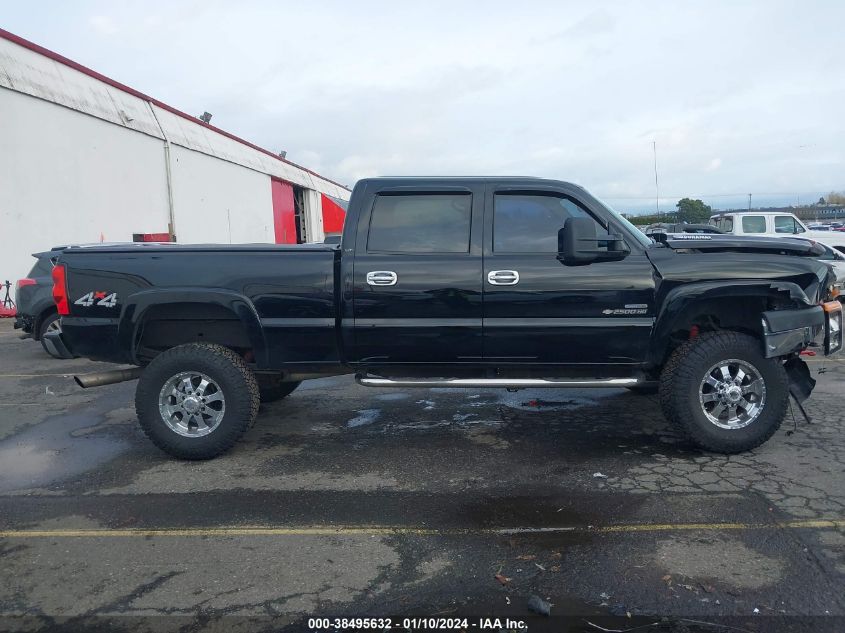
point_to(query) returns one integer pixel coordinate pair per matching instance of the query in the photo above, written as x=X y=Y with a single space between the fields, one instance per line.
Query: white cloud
x=714 y=164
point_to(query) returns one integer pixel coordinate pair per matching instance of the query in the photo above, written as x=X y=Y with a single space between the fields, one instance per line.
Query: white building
x=85 y=159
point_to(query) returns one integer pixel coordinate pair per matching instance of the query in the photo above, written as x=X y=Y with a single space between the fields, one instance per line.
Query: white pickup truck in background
x=774 y=224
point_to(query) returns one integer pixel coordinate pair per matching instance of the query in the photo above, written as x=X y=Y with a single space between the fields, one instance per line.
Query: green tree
x=693 y=211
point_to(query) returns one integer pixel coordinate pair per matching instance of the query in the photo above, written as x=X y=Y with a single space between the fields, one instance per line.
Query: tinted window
x=753 y=224
x=530 y=223
x=436 y=223
x=728 y=225
x=785 y=224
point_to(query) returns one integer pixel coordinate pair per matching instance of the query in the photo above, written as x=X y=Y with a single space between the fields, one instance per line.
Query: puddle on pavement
x=364 y=417
x=60 y=447
x=524 y=399
x=547 y=400
x=389 y=397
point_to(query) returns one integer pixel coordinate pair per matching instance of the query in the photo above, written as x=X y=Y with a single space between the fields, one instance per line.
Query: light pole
x=656 y=185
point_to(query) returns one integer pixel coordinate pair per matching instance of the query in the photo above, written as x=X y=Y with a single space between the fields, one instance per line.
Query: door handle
x=382 y=278
x=503 y=277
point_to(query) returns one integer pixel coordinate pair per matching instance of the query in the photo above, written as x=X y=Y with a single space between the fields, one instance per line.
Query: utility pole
x=749 y=202
x=656 y=185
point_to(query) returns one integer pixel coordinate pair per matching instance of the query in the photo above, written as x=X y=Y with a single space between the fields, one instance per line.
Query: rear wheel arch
x=159 y=320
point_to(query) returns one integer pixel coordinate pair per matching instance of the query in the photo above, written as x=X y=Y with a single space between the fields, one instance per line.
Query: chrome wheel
x=191 y=404
x=55 y=326
x=732 y=394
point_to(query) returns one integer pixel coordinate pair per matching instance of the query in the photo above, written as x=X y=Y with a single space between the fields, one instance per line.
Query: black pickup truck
x=443 y=282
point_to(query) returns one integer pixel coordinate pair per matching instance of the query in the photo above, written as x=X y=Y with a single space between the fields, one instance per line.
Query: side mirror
x=578 y=243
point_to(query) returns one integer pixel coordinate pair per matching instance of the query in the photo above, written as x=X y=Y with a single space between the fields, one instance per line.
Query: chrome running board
x=505 y=383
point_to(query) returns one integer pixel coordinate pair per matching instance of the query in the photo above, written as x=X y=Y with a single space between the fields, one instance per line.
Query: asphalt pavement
x=344 y=501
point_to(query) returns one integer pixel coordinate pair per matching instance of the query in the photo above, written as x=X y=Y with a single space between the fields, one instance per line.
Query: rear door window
x=420 y=223
x=753 y=224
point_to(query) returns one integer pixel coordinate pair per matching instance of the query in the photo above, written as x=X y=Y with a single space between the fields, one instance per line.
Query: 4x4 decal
x=97 y=297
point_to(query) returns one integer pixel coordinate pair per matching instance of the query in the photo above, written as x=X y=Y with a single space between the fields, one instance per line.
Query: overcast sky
x=739 y=96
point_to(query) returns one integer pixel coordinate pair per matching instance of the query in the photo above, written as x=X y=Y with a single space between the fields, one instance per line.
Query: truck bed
x=283 y=296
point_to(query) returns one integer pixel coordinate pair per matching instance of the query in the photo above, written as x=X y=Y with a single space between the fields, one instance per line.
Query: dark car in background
x=36 y=308
x=37 y=313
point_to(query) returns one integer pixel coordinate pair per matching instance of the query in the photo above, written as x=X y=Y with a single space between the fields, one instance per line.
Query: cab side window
x=420 y=223
x=753 y=224
x=529 y=223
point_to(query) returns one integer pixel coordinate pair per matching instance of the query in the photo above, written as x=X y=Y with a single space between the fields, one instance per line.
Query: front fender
x=136 y=305
x=679 y=305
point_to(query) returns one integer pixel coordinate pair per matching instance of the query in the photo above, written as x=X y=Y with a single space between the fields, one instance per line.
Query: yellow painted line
x=382 y=530
x=781 y=525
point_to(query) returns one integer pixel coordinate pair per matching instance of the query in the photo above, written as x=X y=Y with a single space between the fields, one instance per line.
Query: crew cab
x=456 y=282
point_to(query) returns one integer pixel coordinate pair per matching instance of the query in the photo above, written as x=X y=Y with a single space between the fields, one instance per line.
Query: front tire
x=721 y=391
x=195 y=401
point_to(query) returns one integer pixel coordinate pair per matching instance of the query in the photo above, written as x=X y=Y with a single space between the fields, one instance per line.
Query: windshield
x=641 y=237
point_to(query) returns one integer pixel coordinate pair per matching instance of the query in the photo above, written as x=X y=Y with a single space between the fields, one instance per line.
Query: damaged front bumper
x=786 y=332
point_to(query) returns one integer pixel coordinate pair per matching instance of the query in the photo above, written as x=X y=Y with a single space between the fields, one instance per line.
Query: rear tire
x=195 y=401
x=272 y=388
x=51 y=323
x=724 y=412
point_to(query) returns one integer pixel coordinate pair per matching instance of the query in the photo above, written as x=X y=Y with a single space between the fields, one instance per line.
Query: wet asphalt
x=344 y=501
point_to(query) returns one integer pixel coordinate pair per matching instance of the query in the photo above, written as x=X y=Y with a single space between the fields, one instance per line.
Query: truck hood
x=728 y=260
x=740 y=244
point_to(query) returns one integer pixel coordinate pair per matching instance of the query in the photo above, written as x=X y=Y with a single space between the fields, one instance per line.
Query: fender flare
x=137 y=305
x=678 y=300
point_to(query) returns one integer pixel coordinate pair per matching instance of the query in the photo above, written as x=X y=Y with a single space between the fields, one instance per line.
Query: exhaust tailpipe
x=98 y=379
